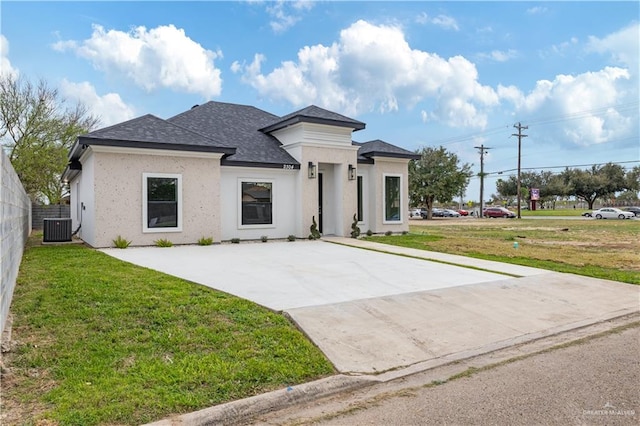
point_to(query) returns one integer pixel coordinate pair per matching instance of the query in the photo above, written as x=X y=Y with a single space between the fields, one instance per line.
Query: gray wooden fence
x=39 y=212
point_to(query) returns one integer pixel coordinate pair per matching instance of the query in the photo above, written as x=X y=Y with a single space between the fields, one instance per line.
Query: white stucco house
x=229 y=171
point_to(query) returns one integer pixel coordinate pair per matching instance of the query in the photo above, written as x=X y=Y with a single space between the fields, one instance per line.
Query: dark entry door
x=320 y=202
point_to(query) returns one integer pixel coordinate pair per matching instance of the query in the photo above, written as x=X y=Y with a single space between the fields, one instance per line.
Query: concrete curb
x=237 y=411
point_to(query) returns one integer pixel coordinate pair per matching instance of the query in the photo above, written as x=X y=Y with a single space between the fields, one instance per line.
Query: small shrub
x=388 y=233
x=369 y=232
x=205 y=241
x=163 y=242
x=291 y=238
x=264 y=238
x=315 y=234
x=121 y=243
x=235 y=241
x=355 y=230
x=405 y=232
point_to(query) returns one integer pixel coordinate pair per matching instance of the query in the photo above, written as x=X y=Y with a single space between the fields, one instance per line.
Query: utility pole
x=520 y=136
x=482 y=150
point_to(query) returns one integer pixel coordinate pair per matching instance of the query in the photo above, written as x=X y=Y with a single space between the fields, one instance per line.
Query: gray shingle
x=383 y=149
x=239 y=131
x=151 y=130
x=314 y=114
x=237 y=126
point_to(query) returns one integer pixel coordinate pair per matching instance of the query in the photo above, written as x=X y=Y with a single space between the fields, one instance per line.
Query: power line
x=562 y=167
x=544 y=121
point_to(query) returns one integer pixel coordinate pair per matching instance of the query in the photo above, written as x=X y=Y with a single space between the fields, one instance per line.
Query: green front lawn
x=107 y=342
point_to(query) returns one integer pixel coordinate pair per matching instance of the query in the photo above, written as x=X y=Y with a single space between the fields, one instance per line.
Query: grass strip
x=106 y=342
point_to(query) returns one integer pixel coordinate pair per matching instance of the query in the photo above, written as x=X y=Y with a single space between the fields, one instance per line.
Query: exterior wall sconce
x=352 y=172
x=312 y=170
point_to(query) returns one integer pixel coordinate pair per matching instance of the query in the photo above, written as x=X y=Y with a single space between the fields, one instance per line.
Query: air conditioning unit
x=57 y=230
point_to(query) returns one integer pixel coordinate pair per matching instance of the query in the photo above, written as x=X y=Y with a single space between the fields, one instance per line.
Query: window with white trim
x=256 y=203
x=392 y=198
x=161 y=202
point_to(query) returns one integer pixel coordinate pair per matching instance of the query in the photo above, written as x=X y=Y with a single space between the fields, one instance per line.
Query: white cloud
x=110 y=107
x=443 y=21
x=160 y=57
x=588 y=109
x=621 y=45
x=5 y=65
x=285 y=14
x=374 y=68
x=500 y=55
x=537 y=10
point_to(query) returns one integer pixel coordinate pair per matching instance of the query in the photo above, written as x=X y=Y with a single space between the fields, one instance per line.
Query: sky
x=419 y=73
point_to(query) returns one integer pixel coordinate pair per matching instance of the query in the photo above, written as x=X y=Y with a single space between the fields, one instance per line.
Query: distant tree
x=632 y=180
x=437 y=175
x=596 y=182
x=36 y=131
x=551 y=186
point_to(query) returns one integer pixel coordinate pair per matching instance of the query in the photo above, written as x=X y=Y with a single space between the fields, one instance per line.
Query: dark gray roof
x=378 y=148
x=314 y=114
x=237 y=126
x=240 y=132
x=150 y=131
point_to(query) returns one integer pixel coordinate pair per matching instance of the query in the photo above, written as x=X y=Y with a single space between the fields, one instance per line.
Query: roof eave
x=355 y=125
x=155 y=145
x=408 y=156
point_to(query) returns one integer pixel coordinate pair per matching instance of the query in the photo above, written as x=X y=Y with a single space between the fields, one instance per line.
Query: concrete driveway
x=371 y=311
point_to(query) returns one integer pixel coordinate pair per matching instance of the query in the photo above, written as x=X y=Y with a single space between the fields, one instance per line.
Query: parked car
x=451 y=213
x=493 y=212
x=634 y=210
x=463 y=212
x=612 y=213
x=415 y=213
x=435 y=212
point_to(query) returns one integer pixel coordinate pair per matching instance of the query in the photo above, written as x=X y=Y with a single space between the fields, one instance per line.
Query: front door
x=320 y=202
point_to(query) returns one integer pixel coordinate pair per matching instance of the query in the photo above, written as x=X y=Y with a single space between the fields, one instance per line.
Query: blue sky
x=422 y=73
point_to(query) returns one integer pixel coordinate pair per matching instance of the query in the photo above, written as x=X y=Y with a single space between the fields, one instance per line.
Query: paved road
x=593 y=383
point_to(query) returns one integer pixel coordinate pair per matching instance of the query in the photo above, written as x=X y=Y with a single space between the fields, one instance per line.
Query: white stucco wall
x=340 y=193
x=82 y=202
x=364 y=171
x=117 y=187
x=388 y=166
x=284 y=199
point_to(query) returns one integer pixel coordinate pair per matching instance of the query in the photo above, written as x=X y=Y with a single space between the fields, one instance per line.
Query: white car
x=415 y=213
x=611 y=213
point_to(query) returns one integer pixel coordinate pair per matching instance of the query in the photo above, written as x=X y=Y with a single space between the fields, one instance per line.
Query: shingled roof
x=314 y=114
x=241 y=132
x=150 y=131
x=378 y=148
x=238 y=126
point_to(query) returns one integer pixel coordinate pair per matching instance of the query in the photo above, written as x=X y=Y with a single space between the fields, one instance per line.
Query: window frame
x=145 y=202
x=384 y=198
x=257 y=180
x=360 y=198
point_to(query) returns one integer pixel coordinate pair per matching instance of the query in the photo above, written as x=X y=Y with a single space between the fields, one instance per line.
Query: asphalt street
x=593 y=383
